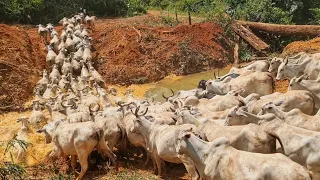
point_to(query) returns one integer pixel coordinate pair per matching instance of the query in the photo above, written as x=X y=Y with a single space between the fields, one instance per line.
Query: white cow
x=20 y=149
x=161 y=139
x=260 y=66
x=37 y=116
x=305 y=64
x=274 y=64
x=310 y=85
x=258 y=82
x=300 y=145
x=251 y=138
x=276 y=61
x=294 y=117
x=78 y=139
x=294 y=99
x=218 y=160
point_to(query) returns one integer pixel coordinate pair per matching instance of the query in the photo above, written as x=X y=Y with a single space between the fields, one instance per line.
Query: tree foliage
x=44 y=11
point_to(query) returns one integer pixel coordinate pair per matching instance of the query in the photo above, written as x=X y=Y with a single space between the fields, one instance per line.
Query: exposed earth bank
x=127 y=51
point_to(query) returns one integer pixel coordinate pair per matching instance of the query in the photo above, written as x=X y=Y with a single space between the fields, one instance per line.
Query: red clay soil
x=133 y=51
x=311 y=46
x=282 y=86
x=129 y=50
x=20 y=65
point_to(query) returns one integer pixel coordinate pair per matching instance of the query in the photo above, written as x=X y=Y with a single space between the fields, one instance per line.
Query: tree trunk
x=248 y=36
x=285 y=30
x=176 y=12
x=189 y=15
x=236 y=50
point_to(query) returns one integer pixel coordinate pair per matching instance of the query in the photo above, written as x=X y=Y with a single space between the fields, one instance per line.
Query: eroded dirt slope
x=311 y=46
x=138 y=50
x=21 y=62
x=127 y=51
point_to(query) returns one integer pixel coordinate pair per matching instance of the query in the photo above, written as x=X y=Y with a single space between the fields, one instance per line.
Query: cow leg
x=83 y=159
x=190 y=167
x=73 y=163
x=103 y=147
x=149 y=157
x=147 y=160
x=158 y=162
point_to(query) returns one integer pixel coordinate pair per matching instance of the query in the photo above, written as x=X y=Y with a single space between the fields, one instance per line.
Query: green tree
x=44 y=11
x=190 y=6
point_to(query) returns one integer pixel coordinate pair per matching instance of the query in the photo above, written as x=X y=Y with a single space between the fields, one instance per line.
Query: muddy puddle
x=173 y=82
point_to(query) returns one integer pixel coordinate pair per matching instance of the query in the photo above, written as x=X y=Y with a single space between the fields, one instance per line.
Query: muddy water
x=175 y=83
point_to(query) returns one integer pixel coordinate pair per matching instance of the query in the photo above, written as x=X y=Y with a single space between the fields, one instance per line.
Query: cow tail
x=100 y=138
x=274 y=135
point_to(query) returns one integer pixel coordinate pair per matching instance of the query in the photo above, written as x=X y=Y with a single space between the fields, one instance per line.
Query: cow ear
x=299 y=79
x=39 y=130
x=187 y=136
x=279 y=103
x=285 y=61
x=240 y=113
x=57 y=123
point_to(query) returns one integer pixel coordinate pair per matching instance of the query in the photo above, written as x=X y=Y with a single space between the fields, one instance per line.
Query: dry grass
x=311 y=46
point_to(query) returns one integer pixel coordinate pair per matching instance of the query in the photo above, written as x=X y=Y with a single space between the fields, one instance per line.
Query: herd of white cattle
x=232 y=127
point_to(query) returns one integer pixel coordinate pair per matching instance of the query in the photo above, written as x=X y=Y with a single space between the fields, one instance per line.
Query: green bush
x=316 y=15
x=168 y=20
x=45 y=11
x=135 y=7
x=11 y=170
x=260 y=11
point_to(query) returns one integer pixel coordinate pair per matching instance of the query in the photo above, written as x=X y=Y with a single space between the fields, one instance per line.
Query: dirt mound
x=136 y=53
x=311 y=46
x=128 y=51
x=20 y=66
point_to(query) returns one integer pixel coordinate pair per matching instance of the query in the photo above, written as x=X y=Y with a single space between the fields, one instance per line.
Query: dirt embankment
x=128 y=51
x=21 y=62
x=311 y=46
x=134 y=51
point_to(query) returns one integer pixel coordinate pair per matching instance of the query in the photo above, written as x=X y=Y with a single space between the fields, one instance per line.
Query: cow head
x=141 y=121
x=168 y=98
x=267 y=108
x=282 y=69
x=94 y=108
x=295 y=83
x=274 y=64
x=186 y=115
x=24 y=121
x=202 y=84
x=49 y=130
x=182 y=139
x=286 y=70
x=236 y=115
x=273 y=108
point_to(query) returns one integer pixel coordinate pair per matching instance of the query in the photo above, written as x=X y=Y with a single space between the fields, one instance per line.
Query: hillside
x=127 y=51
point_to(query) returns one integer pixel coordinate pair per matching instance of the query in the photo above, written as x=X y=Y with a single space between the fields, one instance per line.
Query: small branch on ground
x=138 y=32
